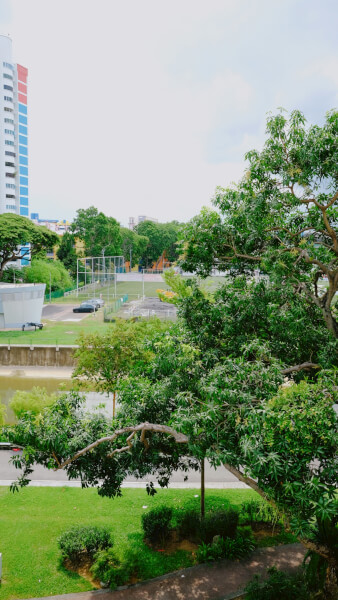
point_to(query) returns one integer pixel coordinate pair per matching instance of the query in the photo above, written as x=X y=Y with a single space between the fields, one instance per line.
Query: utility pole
x=130 y=252
x=50 y=287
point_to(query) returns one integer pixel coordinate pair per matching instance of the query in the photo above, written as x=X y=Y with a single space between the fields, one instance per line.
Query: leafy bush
x=225 y=548
x=81 y=541
x=33 y=401
x=108 y=569
x=188 y=524
x=192 y=526
x=250 y=511
x=279 y=586
x=156 y=523
x=2 y=413
x=223 y=523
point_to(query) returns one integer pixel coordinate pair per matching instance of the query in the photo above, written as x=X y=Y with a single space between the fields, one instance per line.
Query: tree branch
x=296 y=368
x=180 y=438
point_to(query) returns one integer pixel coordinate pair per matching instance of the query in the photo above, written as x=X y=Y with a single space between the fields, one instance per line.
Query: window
x=8 y=99
x=8 y=153
x=10 y=175
x=11 y=121
x=23 y=140
x=6 y=76
x=22 y=108
x=23 y=150
x=23 y=213
x=23 y=201
x=8 y=87
x=23 y=191
x=9 y=142
x=22 y=119
x=9 y=164
x=23 y=180
x=23 y=129
x=7 y=109
x=10 y=195
x=10 y=207
x=23 y=170
x=8 y=65
x=23 y=160
x=10 y=131
x=10 y=185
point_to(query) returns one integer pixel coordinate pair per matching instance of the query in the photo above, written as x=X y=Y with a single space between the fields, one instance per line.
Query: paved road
x=62 y=312
x=219 y=478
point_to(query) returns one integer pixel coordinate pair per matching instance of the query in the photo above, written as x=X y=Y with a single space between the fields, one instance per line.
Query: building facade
x=13 y=133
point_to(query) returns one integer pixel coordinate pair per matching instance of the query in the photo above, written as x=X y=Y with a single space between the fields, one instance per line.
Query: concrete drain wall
x=37 y=356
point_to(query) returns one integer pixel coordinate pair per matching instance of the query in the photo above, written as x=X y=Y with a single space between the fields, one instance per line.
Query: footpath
x=218 y=581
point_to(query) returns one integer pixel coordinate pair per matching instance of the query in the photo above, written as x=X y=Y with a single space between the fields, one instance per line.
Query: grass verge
x=32 y=520
x=57 y=332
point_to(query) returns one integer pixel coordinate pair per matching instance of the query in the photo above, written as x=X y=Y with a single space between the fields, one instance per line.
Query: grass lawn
x=32 y=520
x=54 y=332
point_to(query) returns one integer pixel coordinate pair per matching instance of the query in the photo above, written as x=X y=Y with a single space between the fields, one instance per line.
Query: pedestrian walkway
x=218 y=581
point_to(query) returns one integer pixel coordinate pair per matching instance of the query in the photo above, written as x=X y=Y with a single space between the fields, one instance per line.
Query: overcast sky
x=145 y=106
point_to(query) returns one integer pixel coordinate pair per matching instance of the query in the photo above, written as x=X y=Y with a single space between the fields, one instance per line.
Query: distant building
x=59 y=227
x=132 y=223
x=13 y=133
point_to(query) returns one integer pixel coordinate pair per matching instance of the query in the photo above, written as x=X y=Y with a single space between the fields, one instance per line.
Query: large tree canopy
x=66 y=253
x=98 y=232
x=133 y=245
x=162 y=239
x=17 y=231
x=282 y=216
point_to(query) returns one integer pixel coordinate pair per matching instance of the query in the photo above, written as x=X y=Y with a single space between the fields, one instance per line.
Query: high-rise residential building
x=13 y=133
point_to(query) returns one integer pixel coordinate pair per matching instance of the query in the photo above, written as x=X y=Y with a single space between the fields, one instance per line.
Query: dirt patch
x=263 y=530
x=82 y=569
x=172 y=544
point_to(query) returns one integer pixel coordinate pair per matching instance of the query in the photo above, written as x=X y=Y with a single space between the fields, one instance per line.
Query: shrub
x=156 y=523
x=258 y=511
x=81 y=541
x=223 y=523
x=34 y=401
x=279 y=586
x=108 y=569
x=225 y=548
x=188 y=524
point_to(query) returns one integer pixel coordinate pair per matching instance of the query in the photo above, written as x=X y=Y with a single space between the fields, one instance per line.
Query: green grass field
x=32 y=520
x=57 y=332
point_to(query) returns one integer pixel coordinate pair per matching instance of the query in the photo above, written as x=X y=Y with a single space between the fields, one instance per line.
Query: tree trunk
x=330 y=321
x=202 y=488
x=114 y=404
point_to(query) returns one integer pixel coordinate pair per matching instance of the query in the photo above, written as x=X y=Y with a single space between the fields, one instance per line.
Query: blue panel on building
x=24 y=211
x=22 y=119
x=23 y=191
x=23 y=160
x=23 y=129
x=23 y=140
x=23 y=170
x=23 y=201
x=22 y=108
x=23 y=180
x=23 y=150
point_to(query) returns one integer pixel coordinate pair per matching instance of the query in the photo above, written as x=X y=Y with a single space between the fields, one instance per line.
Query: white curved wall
x=20 y=303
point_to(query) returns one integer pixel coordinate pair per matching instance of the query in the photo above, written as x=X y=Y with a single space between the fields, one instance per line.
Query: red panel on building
x=22 y=73
x=22 y=98
x=22 y=88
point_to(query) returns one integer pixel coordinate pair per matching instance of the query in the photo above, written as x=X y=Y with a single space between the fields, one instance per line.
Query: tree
x=16 y=233
x=103 y=359
x=49 y=272
x=98 y=232
x=162 y=238
x=282 y=216
x=133 y=245
x=66 y=253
